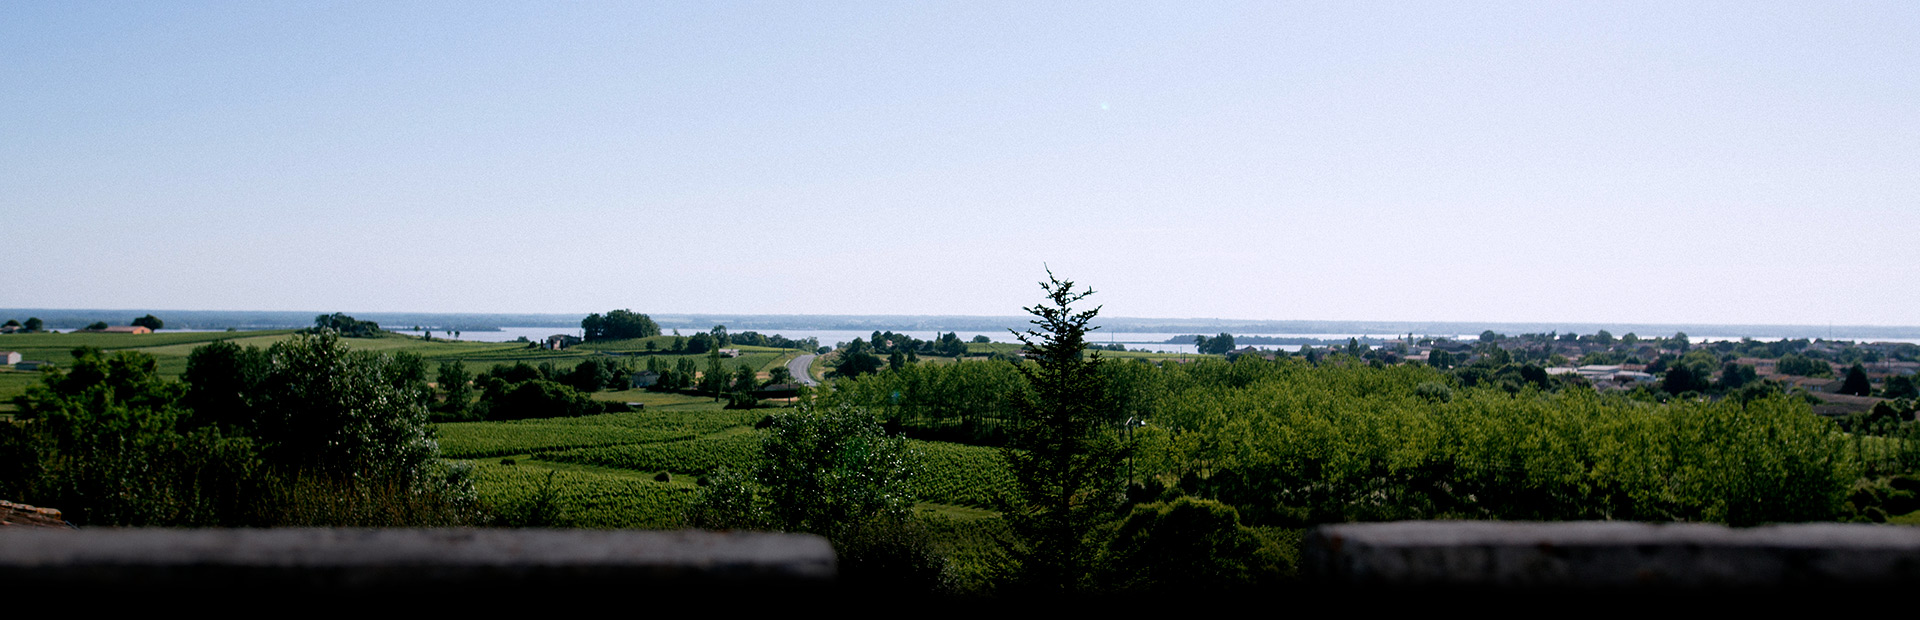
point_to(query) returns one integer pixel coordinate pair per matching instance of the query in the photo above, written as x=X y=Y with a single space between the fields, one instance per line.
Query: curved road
x=798 y=368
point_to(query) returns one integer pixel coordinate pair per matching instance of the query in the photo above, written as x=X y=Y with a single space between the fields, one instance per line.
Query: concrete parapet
x=394 y=561
x=1610 y=555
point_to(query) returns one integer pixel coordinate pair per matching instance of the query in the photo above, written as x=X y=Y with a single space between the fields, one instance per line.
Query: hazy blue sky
x=1738 y=162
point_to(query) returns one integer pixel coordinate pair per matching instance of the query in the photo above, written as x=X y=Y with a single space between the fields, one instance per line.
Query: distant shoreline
x=64 y=319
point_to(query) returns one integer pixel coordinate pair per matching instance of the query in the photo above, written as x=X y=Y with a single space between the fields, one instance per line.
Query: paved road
x=798 y=368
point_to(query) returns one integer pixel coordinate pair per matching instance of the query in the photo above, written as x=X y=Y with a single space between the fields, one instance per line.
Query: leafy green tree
x=345 y=326
x=103 y=446
x=592 y=375
x=330 y=410
x=1798 y=365
x=856 y=361
x=223 y=383
x=456 y=383
x=536 y=398
x=1734 y=375
x=97 y=325
x=982 y=339
x=149 y=321
x=618 y=325
x=1856 y=382
x=1440 y=359
x=779 y=374
x=896 y=361
x=745 y=381
x=1063 y=451
x=831 y=470
x=1692 y=372
x=1217 y=345
x=826 y=468
x=684 y=370
x=34 y=324
x=714 y=380
x=1900 y=386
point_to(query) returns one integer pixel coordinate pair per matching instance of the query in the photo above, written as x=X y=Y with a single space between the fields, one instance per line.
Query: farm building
x=9 y=358
x=120 y=329
x=644 y=378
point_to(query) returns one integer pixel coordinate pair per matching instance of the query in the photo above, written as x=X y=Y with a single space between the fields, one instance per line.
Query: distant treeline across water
x=1293 y=332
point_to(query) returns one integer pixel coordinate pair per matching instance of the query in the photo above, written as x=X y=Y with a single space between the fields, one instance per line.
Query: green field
x=607 y=464
x=171 y=349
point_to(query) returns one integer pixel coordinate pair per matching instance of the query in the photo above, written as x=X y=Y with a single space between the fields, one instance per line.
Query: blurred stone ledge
x=397 y=561
x=1610 y=555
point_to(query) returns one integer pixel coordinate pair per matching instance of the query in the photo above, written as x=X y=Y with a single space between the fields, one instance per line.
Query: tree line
x=305 y=432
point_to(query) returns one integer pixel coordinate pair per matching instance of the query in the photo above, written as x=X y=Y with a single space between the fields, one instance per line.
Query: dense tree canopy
x=346 y=325
x=149 y=322
x=618 y=325
x=1217 y=345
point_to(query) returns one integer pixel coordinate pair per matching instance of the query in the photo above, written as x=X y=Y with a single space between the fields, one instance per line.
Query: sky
x=1656 y=162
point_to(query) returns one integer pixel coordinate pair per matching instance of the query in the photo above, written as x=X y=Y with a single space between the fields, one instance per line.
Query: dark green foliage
x=1187 y=547
x=857 y=359
x=1680 y=380
x=1734 y=376
x=714 y=380
x=517 y=373
x=149 y=321
x=832 y=470
x=97 y=325
x=33 y=325
x=1217 y=345
x=618 y=325
x=345 y=326
x=537 y=398
x=1900 y=386
x=1300 y=445
x=1434 y=391
x=329 y=410
x=890 y=556
x=819 y=469
x=223 y=382
x=740 y=394
x=1856 y=382
x=825 y=468
x=456 y=383
x=1874 y=500
x=1795 y=364
x=1064 y=454
x=592 y=375
x=967 y=401
x=700 y=343
x=103 y=446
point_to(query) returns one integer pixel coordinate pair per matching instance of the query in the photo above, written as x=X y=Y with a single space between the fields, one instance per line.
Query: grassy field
x=607 y=465
x=171 y=351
